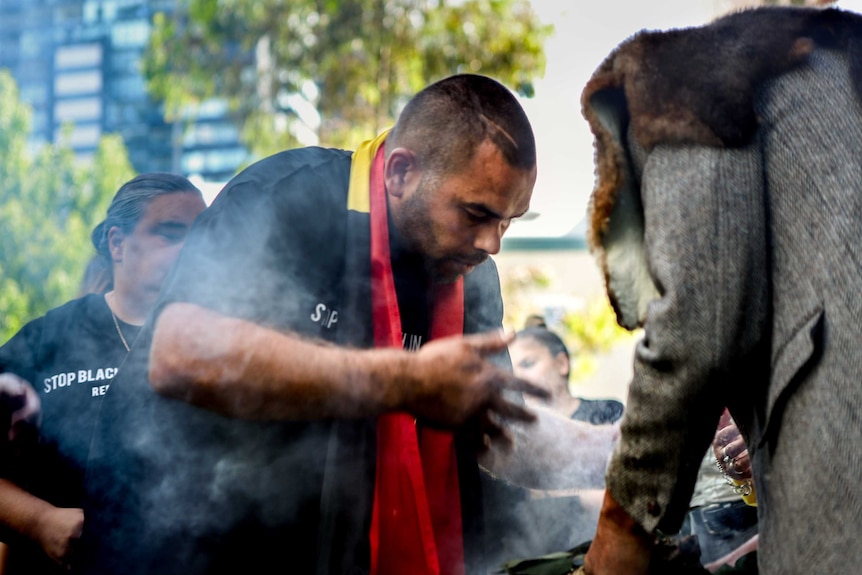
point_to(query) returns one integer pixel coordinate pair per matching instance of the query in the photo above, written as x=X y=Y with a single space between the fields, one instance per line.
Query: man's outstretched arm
x=241 y=369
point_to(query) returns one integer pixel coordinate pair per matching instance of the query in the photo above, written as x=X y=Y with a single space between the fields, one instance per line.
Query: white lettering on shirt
x=411 y=342
x=100 y=390
x=324 y=316
x=66 y=379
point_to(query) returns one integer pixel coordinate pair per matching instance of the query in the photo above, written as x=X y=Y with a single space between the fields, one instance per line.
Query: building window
x=210 y=134
x=79 y=109
x=126 y=62
x=78 y=83
x=212 y=108
x=78 y=56
x=127 y=34
x=193 y=163
x=86 y=136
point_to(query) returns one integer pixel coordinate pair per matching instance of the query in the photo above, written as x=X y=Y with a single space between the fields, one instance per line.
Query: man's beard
x=418 y=233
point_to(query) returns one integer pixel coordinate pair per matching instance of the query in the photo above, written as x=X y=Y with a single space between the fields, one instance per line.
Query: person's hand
x=734 y=556
x=18 y=398
x=730 y=450
x=452 y=383
x=58 y=533
x=620 y=544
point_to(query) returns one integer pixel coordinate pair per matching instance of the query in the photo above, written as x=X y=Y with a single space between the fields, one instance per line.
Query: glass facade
x=77 y=64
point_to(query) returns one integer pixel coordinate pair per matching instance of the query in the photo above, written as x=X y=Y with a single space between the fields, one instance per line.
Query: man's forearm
x=244 y=370
x=241 y=369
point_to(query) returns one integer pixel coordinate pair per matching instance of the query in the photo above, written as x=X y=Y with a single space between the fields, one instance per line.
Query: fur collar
x=692 y=85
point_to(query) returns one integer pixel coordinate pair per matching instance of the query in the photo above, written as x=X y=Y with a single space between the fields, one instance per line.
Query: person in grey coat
x=727 y=220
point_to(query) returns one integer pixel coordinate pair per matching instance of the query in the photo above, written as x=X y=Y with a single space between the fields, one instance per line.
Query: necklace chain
x=119 y=331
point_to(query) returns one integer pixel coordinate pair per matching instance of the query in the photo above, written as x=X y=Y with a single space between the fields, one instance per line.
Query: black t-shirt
x=598 y=411
x=413 y=288
x=70 y=355
x=177 y=489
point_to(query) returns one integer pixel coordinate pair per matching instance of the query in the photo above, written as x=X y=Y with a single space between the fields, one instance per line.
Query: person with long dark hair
x=56 y=369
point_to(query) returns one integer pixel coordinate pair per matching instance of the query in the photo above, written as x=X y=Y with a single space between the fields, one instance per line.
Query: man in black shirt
x=334 y=314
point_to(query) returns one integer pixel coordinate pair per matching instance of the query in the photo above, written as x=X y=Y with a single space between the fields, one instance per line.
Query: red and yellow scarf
x=416 y=521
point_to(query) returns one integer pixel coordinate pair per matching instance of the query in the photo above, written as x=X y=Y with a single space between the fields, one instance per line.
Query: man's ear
x=400 y=169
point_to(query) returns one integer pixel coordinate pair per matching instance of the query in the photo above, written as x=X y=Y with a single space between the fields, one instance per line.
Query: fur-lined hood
x=693 y=85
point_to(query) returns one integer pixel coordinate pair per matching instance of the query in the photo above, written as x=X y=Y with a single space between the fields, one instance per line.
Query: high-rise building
x=77 y=63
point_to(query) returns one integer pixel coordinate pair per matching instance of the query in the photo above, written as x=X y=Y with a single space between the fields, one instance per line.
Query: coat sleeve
x=705 y=246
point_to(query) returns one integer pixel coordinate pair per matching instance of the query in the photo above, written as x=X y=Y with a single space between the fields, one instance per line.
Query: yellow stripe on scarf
x=358 y=195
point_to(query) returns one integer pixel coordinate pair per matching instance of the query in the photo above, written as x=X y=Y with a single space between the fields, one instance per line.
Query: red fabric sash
x=416 y=522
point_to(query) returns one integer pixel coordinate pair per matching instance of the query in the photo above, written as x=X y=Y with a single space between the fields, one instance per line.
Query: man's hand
x=18 y=398
x=620 y=545
x=452 y=383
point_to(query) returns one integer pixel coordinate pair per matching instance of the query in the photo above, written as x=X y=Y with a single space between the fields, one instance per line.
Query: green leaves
x=48 y=206
x=363 y=57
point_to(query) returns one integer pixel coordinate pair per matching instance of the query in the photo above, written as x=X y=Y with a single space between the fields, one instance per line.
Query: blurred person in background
x=539 y=355
x=55 y=371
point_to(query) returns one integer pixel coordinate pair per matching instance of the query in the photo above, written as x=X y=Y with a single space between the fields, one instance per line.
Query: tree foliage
x=48 y=206
x=353 y=61
x=731 y=5
x=588 y=330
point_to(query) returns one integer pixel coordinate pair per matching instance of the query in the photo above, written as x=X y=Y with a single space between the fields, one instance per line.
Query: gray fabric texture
x=756 y=255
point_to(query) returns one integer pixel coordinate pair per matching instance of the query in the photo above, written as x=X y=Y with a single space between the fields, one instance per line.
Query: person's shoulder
x=87 y=302
x=82 y=305
x=308 y=156
x=483 y=301
x=77 y=311
x=312 y=160
x=289 y=176
x=484 y=274
x=482 y=285
x=59 y=319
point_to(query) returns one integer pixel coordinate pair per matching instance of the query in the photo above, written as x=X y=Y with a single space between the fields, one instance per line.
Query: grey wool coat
x=727 y=220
